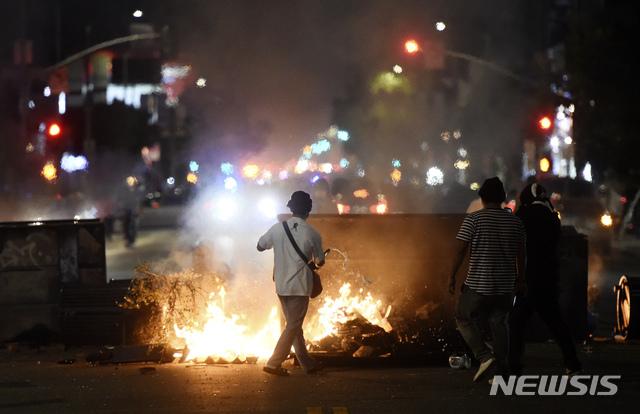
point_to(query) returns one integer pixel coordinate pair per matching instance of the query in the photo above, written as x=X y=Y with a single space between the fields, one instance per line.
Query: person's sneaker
x=484 y=368
x=279 y=371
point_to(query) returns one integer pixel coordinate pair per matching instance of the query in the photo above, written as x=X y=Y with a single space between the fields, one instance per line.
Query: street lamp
x=411 y=46
x=434 y=52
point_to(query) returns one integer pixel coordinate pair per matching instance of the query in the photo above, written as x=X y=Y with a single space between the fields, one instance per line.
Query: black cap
x=300 y=202
x=492 y=191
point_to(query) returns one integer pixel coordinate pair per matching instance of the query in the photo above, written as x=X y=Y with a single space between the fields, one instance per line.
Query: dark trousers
x=546 y=305
x=472 y=305
x=130 y=225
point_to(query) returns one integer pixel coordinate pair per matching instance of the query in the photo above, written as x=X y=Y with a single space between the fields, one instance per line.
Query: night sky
x=276 y=68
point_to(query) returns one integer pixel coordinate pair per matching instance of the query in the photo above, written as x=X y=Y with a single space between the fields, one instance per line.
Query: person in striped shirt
x=496 y=241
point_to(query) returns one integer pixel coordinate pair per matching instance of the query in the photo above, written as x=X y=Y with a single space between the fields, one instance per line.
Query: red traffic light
x=54 y=130
x=411 y=46
x=545 y=122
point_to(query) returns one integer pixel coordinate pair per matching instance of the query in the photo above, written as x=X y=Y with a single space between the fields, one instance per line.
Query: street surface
x=37 y=382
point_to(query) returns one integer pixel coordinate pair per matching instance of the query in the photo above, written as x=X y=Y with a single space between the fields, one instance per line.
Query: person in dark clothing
x=543 y=229
x=130 y=200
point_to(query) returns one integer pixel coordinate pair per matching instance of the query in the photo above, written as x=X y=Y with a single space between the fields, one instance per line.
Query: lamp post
x=88 y=141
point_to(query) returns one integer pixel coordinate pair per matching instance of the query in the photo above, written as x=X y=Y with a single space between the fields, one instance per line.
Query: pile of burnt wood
x=357 y=337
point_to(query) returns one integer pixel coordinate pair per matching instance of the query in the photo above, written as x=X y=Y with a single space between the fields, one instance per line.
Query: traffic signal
x=55 y=137
x=545 y=123
x=54 y=130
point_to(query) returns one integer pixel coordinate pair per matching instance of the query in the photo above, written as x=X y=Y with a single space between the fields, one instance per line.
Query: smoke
x=279 y=73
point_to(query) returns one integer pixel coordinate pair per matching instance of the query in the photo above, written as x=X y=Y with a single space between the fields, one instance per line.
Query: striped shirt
x=493 y=235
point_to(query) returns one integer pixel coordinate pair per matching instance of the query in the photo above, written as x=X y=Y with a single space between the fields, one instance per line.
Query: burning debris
x=189 y=311
x=199 y=318
x=166 y=300
x=357 y=337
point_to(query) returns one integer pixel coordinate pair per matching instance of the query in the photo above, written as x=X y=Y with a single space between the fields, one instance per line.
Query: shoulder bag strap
x=295 y=246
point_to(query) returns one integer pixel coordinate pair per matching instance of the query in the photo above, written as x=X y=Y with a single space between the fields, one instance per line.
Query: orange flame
x=380 y=208
x=227 y=336
x=343 y=209
x=336 y=311
x=224 y=335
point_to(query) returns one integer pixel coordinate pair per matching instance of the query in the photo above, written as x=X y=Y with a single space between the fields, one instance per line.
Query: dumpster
x=37 y=259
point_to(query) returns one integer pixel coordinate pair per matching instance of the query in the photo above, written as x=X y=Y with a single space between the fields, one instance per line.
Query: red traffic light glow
x=54 y=130
x=545 y=122
x=411 y=46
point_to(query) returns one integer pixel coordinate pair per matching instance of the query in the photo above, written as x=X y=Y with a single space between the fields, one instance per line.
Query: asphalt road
x=58 y=381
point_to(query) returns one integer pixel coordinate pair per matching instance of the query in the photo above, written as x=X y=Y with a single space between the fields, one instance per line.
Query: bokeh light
x=49 y=172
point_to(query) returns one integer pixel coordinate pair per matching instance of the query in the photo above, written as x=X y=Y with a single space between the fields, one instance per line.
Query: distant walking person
x=293 y=279
x=496 y=238
x=543 y=228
